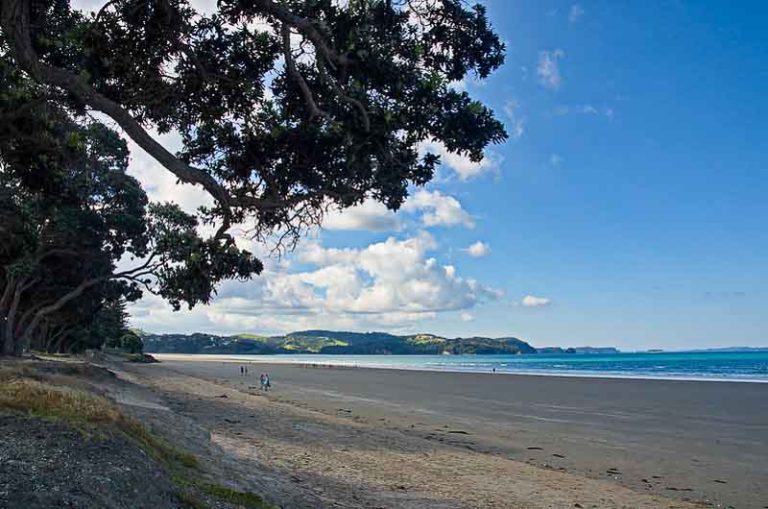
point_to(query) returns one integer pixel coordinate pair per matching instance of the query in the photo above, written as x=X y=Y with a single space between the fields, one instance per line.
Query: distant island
x=341 y=342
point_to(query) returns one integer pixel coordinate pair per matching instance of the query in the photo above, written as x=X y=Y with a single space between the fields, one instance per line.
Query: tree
x=69 y=213
x=285 y=108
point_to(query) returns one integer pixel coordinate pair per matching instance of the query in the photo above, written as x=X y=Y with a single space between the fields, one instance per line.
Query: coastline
x=288 y=361
x=689 y=441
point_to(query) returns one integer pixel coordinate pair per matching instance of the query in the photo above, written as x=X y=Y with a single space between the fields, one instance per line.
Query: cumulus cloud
x=531 y=301
x=478 y=249
x=548 y=68
x=467 y=317
x=438 y=209
x=575 y=13
x=160 y=184
x=433 y=208
x=387 y=284
x=370 y=215
x=461 y=165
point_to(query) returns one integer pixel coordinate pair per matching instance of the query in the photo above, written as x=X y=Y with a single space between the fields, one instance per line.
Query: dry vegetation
x=60 y=395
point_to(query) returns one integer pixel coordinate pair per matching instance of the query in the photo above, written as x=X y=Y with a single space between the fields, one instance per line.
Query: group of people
x=263 y=378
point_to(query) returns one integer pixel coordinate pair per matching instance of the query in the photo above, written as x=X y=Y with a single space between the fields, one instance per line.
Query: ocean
x=726 y=366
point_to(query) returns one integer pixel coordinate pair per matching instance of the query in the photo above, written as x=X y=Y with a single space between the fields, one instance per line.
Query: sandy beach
x=387 y=438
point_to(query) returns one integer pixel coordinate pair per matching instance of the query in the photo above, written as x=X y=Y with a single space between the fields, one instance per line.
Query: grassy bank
x=59 y=394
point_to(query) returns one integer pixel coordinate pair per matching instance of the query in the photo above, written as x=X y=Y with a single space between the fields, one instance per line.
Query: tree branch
x=15 y=24
x=295 y=75
x=307 y=28
x=343 y=96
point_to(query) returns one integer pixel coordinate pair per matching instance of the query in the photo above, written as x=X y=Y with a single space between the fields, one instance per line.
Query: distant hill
x=331 y=342
x=344 y=342
x=579 y=349
x=732 y=349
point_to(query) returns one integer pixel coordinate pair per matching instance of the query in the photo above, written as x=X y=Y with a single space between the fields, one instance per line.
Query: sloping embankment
x=64 y=444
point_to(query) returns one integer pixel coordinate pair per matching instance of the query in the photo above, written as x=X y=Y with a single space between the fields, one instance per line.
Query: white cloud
x=159 y=183
x=467 y=317
x=584 y=109
x=518 y=123
x=464 y=168
x=548 y=69
x=531 y=301
x=575 y=13
x=386 y=284
x=433 y=207
x=370 y=215
x=478 y=249
x=438 y=209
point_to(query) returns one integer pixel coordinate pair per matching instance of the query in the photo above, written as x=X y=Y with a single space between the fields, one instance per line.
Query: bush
x=129 y=342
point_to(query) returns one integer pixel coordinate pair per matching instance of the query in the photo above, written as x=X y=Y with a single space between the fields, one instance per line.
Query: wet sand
x=697 y=441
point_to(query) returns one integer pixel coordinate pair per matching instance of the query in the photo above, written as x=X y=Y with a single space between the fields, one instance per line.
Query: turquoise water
x=743 y=366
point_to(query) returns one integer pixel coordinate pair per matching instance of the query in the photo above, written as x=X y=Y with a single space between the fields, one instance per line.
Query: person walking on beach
x=266 y=382
x=263 y=381
x=241 y=370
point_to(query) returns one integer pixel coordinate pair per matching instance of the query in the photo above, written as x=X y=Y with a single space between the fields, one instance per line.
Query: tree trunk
x=9 y=320
x=25 y=337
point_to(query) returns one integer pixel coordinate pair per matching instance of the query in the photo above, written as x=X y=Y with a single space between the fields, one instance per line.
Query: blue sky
x=628 y=208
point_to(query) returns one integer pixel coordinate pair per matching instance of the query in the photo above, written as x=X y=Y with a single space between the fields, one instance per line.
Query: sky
x=628 y=207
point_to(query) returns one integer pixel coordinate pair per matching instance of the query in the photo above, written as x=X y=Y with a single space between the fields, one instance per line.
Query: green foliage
x=310 y=344
x=254 y=337
x=241 y=498
x=426 y=339
x=128 y=342
x=132 y=343
x=275 y=132
x=69 y=213
x=340 y=122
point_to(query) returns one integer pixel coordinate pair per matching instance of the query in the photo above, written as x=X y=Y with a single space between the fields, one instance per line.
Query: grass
x=14 y=371
x=23 y=389
x=254 y=337
x=86 y=412
x=425 y=339
x=191 y=500
x=222 y=493
x=250 y=500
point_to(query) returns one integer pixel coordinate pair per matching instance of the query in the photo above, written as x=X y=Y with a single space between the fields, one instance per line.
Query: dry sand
x=379 y=438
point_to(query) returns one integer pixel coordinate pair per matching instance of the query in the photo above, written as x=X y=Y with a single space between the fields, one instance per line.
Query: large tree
x=284 y=108
x=70 y=216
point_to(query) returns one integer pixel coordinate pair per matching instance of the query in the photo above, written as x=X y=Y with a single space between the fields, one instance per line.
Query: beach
x=672 y=442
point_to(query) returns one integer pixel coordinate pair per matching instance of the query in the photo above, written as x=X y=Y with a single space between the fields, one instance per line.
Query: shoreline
x=283 y=361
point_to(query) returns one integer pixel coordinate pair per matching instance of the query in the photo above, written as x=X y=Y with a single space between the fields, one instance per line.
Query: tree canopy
x=285 y=108
x=69 y=214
